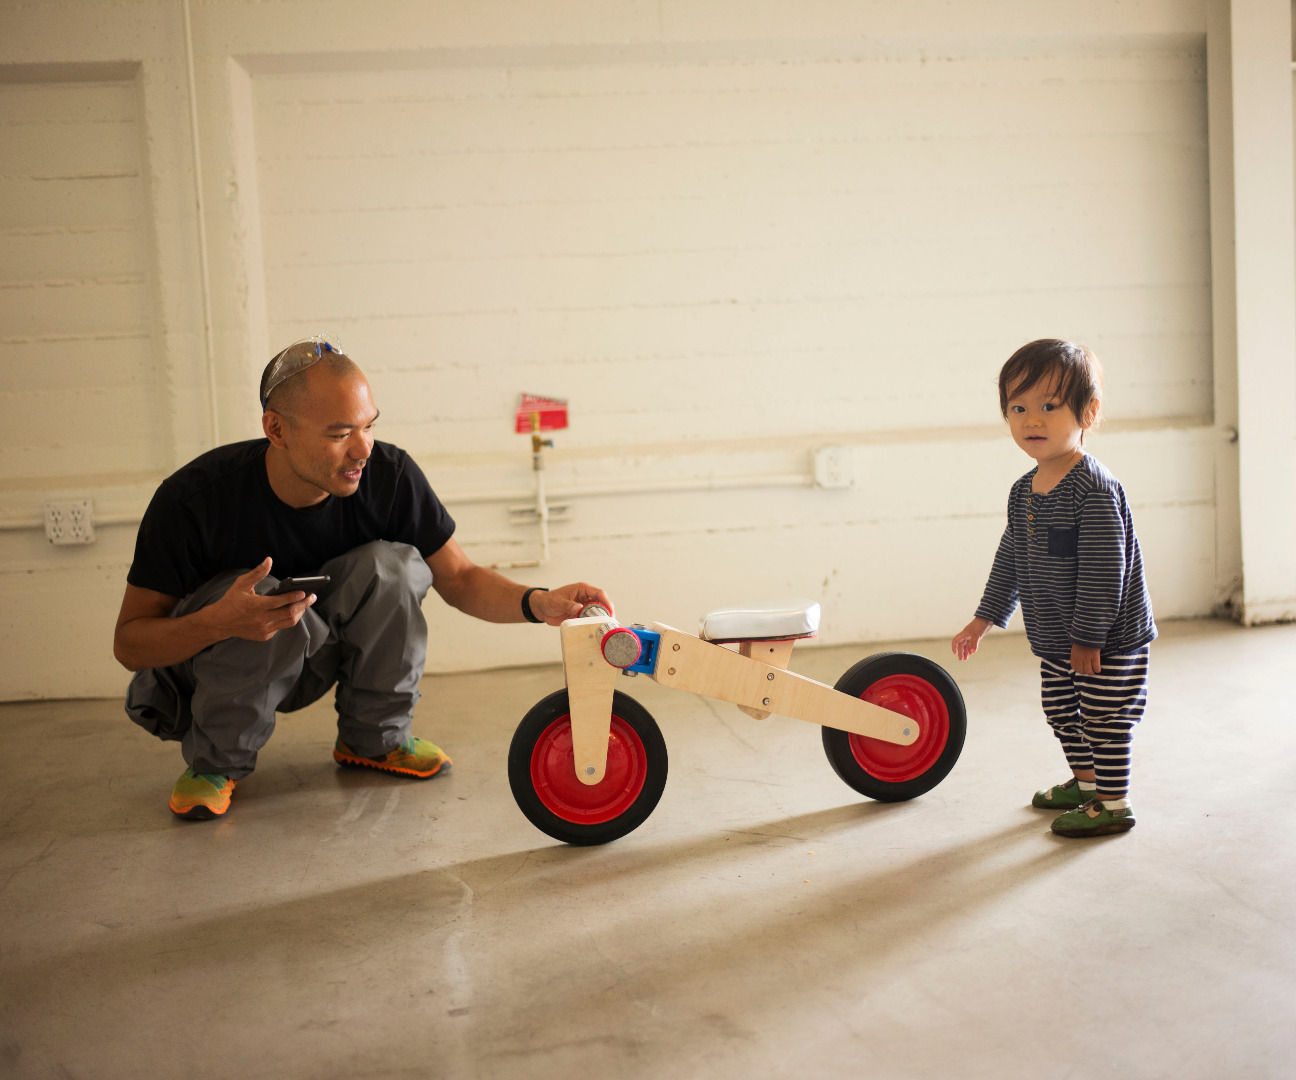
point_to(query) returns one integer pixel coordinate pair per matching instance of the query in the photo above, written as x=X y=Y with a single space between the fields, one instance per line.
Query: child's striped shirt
x=1070 y=557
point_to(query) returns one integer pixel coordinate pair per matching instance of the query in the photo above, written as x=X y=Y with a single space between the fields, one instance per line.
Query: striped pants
x=1093 y=716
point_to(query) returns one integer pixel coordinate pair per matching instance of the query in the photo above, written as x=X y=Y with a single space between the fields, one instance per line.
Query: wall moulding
x=580 y=473
x=72 y=72
x=817 y=49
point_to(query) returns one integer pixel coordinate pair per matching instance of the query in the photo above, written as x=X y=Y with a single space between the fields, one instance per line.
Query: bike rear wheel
x=919 y=689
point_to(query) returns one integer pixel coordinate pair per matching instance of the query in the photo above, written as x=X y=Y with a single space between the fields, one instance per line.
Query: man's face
x=322 y=447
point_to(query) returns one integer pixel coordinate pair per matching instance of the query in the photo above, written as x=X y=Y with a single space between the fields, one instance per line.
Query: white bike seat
x=761 y=624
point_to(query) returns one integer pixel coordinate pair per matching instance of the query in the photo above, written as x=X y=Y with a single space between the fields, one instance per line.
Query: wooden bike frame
x=755 y=678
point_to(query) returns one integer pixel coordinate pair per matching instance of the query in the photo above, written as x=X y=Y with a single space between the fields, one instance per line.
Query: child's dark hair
x=1072 y=369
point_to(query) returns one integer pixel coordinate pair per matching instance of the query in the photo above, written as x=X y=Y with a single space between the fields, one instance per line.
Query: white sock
x=1116 y=804
x=1087 y=785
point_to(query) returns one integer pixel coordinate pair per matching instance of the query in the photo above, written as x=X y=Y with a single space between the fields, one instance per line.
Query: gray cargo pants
x=365 y=633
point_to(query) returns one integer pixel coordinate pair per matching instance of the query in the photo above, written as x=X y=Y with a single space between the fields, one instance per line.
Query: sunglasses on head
x=293 y=361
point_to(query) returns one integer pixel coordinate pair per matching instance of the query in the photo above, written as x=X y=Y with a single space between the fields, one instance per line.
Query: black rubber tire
x=542 y=772
x=918 y=688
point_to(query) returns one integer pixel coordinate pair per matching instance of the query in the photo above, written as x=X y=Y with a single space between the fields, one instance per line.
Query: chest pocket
x=1062 y=542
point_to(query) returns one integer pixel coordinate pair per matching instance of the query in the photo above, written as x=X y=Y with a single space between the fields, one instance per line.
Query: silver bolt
x=770 y=676
x=764 y=701
x=590 y=770
x=907 y=732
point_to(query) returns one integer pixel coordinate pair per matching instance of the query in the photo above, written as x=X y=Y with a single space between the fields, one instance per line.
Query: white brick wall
x=76 y=304
x=729 y=233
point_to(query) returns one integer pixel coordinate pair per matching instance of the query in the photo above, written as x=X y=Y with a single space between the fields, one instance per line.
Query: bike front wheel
x=542 y=772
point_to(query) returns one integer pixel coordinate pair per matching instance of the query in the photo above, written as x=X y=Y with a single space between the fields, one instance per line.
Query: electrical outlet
x=69 y=522
x=832 y=467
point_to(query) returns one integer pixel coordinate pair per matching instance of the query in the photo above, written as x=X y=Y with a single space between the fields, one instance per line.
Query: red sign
x=552 y=413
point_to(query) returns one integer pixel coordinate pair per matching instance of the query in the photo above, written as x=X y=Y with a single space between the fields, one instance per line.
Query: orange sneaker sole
x=353 y=762
x=199 y=811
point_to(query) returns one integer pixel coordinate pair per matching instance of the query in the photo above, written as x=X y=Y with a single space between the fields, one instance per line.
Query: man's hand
x=148 y=637
x=241 y=613
x=555 y=606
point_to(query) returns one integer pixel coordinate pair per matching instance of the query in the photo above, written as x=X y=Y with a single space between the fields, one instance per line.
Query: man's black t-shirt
x=219 y=513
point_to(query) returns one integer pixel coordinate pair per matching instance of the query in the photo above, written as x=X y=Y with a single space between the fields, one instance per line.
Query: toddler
x=1070 y=557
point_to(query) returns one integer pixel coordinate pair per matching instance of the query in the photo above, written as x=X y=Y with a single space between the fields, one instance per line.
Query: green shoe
x=414 y=757
x=1066 y=796
x=1093 y=819
x=199 y=796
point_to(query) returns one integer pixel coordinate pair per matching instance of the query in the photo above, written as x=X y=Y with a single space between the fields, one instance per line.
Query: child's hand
x=966 y=640
x=1086 y=661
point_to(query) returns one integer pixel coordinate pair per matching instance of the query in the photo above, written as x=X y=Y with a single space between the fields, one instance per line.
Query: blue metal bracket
x=648 y=642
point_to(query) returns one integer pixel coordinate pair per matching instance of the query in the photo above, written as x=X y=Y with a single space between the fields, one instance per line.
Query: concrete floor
x=764 y=921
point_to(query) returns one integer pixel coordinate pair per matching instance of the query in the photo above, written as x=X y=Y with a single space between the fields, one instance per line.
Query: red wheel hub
x=553 y=774
x=915 y=697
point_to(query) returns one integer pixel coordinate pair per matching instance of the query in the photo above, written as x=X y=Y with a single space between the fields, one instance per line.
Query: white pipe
x=541 y=509
x=737 y=483
x=213 y=412
x=660 y=487
x=542 y=512
x=21 y=522
x=529 y=499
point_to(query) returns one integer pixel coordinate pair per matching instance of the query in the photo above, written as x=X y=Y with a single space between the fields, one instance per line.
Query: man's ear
x=273 y=424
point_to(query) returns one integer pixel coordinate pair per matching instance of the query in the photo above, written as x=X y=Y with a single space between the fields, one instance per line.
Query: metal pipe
x=213 y=412
x=470 y=498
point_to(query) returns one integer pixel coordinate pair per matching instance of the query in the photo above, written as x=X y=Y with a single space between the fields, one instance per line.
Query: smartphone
x=307 y=585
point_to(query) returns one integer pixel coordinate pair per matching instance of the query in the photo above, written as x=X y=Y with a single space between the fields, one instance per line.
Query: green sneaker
x=1066 y=796
x=414 y=757
x=1093 y=819
x=200 y=796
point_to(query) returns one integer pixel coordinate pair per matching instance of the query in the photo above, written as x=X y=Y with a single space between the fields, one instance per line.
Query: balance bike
x=587 y=764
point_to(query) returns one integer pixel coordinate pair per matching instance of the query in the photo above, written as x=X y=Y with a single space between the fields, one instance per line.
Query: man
x=215 y=656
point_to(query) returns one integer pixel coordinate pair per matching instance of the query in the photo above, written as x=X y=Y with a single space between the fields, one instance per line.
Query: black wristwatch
x=527 y=613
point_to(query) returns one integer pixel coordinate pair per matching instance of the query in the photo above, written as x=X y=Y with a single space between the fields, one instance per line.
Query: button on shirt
x=1071 y=558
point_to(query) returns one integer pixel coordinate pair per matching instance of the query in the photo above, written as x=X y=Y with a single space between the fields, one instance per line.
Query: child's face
x=1044 y=426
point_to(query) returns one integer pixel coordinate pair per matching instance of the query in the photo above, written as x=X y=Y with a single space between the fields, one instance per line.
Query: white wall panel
x=730 y=234
x=77 y=302
x=694 y=232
